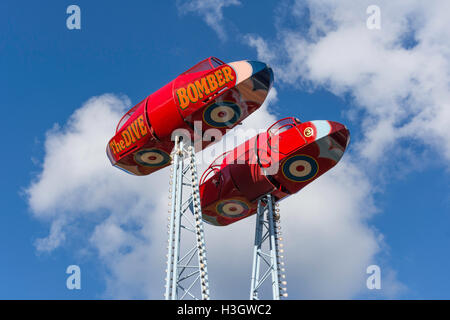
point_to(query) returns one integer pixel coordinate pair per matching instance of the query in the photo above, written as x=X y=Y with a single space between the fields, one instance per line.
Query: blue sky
x=130 y=50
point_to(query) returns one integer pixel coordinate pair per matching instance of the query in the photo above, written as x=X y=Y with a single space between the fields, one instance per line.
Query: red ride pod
x=212 y=93
x=281 y=161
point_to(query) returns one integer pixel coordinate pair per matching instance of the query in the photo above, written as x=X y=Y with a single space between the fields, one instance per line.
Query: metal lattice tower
x=268 y=249
x=187 y=275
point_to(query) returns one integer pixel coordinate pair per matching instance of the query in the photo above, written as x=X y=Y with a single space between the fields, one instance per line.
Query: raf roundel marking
x=232 y=208
x=300 y=168
x=222 y=114
x=152 y=157
x=308 y=132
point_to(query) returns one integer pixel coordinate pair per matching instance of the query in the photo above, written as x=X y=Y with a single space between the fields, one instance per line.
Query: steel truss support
x=268 y=250
x=187 y=272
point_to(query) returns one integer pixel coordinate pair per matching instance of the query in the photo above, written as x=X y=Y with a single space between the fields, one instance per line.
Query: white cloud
x=210 y=10
x=78 y=186
x=55 y=238
x=332 y=215
x=398 y=76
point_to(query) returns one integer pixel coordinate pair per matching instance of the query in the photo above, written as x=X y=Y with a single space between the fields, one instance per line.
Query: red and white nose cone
x=260 y=71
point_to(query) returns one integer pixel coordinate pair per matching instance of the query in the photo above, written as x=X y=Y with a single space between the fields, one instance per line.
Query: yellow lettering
x=219 y=77
x=228 y=74
x=182 y=98
x=202 y=87
x=134 y=126
x=112 y=146
x=133 y=139
x=192 y=93
x=122 y=145
x=126 y=137
x=142 y=126
x=212 y=82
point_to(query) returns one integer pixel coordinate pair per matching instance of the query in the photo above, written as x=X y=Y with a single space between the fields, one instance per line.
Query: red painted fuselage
x=280 y=162
x=211 y=94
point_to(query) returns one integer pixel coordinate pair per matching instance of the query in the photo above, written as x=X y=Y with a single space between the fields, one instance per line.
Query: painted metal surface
x=212 y=94
x=187 y=270
x=268 y=262
x=280 y=162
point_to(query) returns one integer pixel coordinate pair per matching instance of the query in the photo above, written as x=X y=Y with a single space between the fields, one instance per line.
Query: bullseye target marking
x=152 y=157
x=222 y=114
x=300 y=168
x=232 y=208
